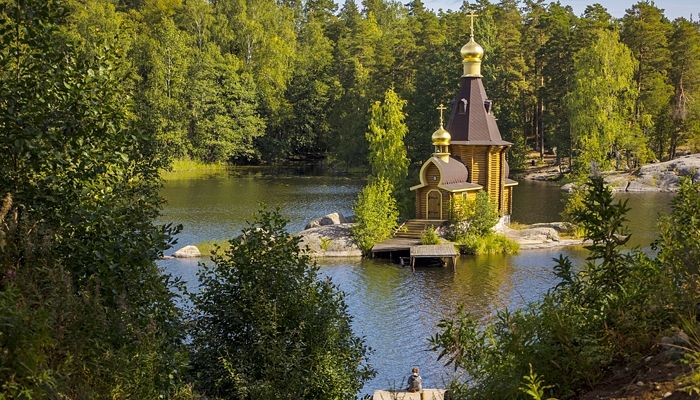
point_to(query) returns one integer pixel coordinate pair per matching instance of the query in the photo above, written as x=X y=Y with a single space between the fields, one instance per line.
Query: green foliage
x=606 y=312
x=375 y=213
x=325 y=243
x=472 y=218
x=266 y=326
x=601 y=107
x=678 y=243
x=429 y=236
x=385 y=135
x=490 y=243
x=85 y=311
x=533 y=386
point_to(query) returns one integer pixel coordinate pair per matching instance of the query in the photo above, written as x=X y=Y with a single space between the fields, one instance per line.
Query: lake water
x=394 y=309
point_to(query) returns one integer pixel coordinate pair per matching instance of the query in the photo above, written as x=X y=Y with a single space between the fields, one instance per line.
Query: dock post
x=413 y=264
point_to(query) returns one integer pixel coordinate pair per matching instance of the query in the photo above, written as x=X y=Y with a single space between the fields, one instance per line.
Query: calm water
x=395 y=309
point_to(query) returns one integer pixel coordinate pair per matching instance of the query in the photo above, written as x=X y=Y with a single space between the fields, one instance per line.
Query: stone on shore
x=187 y=252
x=330 y=241
x=330 y=219
x=541 y=235
x=657 y=177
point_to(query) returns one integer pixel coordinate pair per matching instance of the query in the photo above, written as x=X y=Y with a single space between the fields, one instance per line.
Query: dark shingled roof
x=451 y=172
x=475 y=125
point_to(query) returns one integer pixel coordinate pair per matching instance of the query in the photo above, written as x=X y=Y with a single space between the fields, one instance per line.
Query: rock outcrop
x=541 y=236
x=330 y=241
x=330 y=219
x=187 y=252
x=658 y=177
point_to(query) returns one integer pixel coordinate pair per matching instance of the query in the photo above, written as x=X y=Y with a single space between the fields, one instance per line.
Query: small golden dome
x=441 y=137
x=472 y=51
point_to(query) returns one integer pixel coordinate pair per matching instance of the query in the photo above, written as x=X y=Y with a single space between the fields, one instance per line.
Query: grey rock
x=330 y=241
x=187 y=252
x=542 y=234
x=560 y=227
x=330 y=219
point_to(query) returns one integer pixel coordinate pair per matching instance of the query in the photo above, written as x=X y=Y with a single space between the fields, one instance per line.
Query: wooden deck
x=428 y=394
x=395 y=244
x=416 y=250
x=441 y=251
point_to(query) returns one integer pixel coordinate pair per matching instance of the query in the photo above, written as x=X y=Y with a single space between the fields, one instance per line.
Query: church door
x=434 y=204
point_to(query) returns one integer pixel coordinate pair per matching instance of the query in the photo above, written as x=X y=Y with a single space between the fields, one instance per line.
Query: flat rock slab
x=428 y=394
x=330 y=241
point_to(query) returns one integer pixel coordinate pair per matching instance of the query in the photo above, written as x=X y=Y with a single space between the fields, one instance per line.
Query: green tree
x=266 y=325
x=685 y=76
x=376 y=214
x=222 y=108
x=86 y=312
x=645 y=31
x=601 y=106
x=385 y=135
x=162 y=57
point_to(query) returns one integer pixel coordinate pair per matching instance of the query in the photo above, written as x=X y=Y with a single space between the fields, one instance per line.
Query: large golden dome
x=441 y=137
x=472 y=51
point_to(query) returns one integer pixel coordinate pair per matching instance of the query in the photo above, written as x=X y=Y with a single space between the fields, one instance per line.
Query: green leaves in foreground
x=601 y=314
x=266 y=326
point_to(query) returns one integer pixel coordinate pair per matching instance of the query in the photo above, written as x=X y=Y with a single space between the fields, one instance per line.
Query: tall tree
x=86 y=312
x=385 y=135
x=601 y=105
x=685 y=76
x=645 y=31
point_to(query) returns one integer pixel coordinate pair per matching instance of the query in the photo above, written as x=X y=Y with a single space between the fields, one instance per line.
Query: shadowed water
x=394 y=309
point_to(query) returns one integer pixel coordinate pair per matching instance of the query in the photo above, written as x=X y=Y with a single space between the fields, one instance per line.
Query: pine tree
x=645 y=31
x=685 y=76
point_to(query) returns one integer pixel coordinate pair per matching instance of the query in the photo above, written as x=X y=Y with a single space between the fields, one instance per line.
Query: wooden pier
x=426 y=394
x=445 y=251
x=398 y=247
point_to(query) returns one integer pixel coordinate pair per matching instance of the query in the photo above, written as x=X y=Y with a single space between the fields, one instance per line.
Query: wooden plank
x=433 y=251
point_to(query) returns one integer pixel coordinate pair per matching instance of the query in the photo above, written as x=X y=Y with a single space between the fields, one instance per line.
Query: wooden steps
x=413 y=228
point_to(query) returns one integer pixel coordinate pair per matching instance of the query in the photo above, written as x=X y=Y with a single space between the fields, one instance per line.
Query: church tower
x=476 y=140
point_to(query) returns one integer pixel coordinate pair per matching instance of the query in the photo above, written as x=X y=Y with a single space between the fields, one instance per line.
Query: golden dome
x=472 y=51
x=441 y=137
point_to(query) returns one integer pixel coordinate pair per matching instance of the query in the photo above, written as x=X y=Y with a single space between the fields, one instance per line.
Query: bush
x=266 y=326
x=491 y=243
x=376 y=215
x=607 y=312
x=429 y=236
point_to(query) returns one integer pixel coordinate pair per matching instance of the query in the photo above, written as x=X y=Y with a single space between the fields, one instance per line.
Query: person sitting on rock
x=415 y=382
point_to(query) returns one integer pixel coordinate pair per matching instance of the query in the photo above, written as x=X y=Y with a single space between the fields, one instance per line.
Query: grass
x=189 y=169
x=208 y=246
x=518 y=225
x=492 y=243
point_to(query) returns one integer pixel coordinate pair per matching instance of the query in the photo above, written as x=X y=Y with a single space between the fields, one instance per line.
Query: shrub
x=491 y=243
x=472 y=217
x=429 y=236
x=376 y=215
x=266 y=326
x=604 y=313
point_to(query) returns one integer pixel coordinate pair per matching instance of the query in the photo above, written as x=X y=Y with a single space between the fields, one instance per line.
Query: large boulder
x=330 y=241
x=330 y=219
x=187 y=252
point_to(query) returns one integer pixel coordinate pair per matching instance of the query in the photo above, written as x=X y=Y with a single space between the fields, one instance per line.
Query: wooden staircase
x=413 y=228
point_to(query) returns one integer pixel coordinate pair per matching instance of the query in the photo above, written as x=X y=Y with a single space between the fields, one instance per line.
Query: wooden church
x=470 y=154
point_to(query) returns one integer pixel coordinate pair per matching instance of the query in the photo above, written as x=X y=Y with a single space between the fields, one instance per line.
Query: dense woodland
x=268 y=81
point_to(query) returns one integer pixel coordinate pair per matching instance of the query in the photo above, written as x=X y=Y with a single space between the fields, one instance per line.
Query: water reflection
x=395 y=309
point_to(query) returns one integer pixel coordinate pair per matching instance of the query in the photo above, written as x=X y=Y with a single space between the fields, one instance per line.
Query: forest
x=265 y=81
